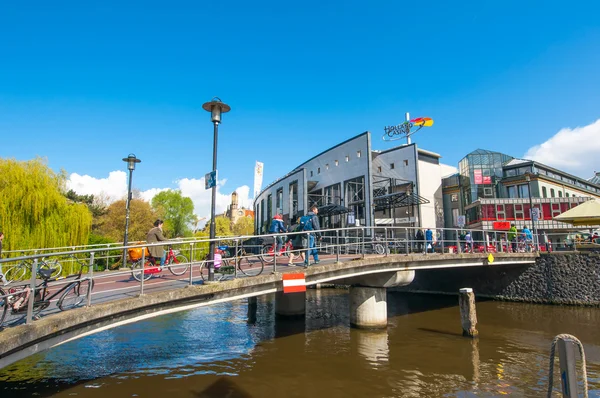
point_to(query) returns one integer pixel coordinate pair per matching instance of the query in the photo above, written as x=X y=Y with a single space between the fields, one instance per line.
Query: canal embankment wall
x=568 y=278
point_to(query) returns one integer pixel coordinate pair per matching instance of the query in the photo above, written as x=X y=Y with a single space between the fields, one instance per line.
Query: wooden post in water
x=468 y=314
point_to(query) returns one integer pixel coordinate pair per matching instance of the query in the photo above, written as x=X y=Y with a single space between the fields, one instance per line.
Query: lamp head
x=131 y=161
x=216 y=107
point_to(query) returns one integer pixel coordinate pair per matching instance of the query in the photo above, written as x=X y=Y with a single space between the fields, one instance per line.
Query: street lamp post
x=535 y=237
x=216 y=107
x=131 y=161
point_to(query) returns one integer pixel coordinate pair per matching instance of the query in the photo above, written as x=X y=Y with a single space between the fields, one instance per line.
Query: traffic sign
x=461 y=221
x=535 y=214
x=210 y=179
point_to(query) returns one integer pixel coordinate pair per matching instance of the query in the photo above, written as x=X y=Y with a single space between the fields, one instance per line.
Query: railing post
x=471 y=233
x=142 y=275
x=458 y=245
x=443 y=237
x=337 y=245
x=362 y=242
x=275 y=252
x=91 y=278
x=34 y=268
x=385 y=242
x=236 y=260
x=107 y=255
x=191 y=263
x=407 y=240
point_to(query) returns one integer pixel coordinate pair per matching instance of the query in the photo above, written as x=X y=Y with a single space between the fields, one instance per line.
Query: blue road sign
x=210 y=179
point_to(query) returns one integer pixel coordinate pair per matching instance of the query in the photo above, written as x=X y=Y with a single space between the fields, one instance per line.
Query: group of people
x=424 y=241
x=300 y=241
x=526 y=237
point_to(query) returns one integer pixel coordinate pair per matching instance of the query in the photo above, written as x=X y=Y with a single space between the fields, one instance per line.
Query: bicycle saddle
x=46 y=273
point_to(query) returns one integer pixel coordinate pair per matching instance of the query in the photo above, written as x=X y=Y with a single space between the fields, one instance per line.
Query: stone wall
x=565 y=278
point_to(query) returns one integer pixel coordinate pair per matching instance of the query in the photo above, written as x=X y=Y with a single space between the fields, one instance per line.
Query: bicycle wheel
x=15 y=273
x=178 y=265
x=204 y=270
x=75 y=294
x=267 y=253
x=138 y=272
x=17 y=298
x=53 y=264
x=379 y=249
x=250 y=266
x=219 y=273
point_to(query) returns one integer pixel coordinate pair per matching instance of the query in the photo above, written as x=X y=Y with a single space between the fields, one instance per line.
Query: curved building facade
x=354 y=185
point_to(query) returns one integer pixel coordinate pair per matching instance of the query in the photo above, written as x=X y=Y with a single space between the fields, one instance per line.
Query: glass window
x=327 y=166
x=560 y=194
x=510 y=173
x=318 y=170
x=512 y=191
x=379 y=169
x=392 y=166
x=279 y=200
x=551 y=192
x=567 y=195
x=337 y=163
x=406 y=162
x=523 y=191
x=358 y=153
x=347 y=158
x=544 y=192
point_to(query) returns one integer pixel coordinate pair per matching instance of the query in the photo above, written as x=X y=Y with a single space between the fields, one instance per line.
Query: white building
x=401 y=186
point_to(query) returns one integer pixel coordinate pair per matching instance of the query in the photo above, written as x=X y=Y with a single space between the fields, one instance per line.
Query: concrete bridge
x=369 y=277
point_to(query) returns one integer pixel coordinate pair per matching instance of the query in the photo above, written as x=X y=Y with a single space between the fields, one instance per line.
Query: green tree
x=34 y=212
x=176 y=210
x=222 y=227
x=111 y=225
x=243 y=226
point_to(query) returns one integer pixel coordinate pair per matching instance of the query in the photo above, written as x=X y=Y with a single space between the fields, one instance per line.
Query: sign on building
x=461 y=221
x=535 y=214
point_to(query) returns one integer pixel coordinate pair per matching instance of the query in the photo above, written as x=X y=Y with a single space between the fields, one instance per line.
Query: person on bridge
x=429 y=238
x=156 y=235
x=277 y=227
x=310 y=222
x=528 y=237
x=512 y=237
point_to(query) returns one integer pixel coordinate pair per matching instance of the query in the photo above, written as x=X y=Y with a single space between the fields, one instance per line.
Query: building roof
x=515 y=162
x=595 y=179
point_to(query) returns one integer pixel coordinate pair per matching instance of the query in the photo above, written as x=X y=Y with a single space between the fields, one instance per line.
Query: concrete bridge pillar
x=290 y=305
x=368 y=307
x=252 y=307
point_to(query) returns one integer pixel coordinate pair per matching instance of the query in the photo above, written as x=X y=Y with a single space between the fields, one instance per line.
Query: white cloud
x=571 y=150
x=112 y=188
x=115 y=187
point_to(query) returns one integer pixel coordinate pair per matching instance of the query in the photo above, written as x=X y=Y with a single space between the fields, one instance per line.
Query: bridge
x=122 y=300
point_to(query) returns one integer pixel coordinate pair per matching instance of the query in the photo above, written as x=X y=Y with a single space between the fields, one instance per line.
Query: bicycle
x=14 y=300
x=17 y=272
x=267 y=251
x=177 y=263
x=247 y=263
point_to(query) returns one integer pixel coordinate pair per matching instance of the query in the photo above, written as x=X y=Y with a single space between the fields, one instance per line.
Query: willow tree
x=34 y=212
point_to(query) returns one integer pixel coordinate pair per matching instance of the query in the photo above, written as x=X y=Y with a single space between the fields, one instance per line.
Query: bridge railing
x=334 y=244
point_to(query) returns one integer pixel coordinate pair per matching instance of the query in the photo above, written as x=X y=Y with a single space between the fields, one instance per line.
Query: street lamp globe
x=131 y=161
x=216 y=107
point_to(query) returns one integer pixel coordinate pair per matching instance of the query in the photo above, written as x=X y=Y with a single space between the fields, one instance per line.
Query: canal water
x=227 y=351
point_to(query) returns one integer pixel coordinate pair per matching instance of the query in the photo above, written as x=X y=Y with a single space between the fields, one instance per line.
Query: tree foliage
x=244 y=226
x=111 y=225
x=222 y=227
x=176 y=210
x=34 y=212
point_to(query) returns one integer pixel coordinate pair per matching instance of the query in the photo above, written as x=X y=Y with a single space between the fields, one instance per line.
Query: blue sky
x=84 y=84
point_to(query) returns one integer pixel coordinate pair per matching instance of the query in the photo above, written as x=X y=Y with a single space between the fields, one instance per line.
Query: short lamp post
x=131 y=161
x=533 y=224
x=216 y=107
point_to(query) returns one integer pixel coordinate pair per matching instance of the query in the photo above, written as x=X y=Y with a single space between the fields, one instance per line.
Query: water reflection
x=239 y=349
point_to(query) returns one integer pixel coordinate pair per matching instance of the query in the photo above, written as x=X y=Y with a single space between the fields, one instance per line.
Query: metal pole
x=91 y=279
x=34 y=268
x=191 y=263
x=142 y=272
x=407 y=135
x=127 y=220
x=211 y=250
x=337 y=244
x=535 y=245
x=236 y=260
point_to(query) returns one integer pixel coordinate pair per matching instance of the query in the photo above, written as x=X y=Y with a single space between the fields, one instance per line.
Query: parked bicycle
x=14 y=300
x=19 y=271
x=247 y=263
x=177 y=263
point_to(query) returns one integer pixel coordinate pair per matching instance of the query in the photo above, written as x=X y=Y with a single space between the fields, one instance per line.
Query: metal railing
x=335 y=244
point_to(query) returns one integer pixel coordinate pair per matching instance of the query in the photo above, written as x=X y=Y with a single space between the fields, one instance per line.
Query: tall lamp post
x=535 y=237
x=131 y=161
x=216 y=107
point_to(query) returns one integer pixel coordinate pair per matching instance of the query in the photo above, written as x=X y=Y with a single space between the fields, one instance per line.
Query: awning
x=398 y=199
x=332 y=210
x=587 y=213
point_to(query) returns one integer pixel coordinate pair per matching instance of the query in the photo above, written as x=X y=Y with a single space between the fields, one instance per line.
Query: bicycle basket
x=136 y=253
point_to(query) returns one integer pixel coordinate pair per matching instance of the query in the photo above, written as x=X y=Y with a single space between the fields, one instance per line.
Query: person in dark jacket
x=156 y=235
x=312 y=224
